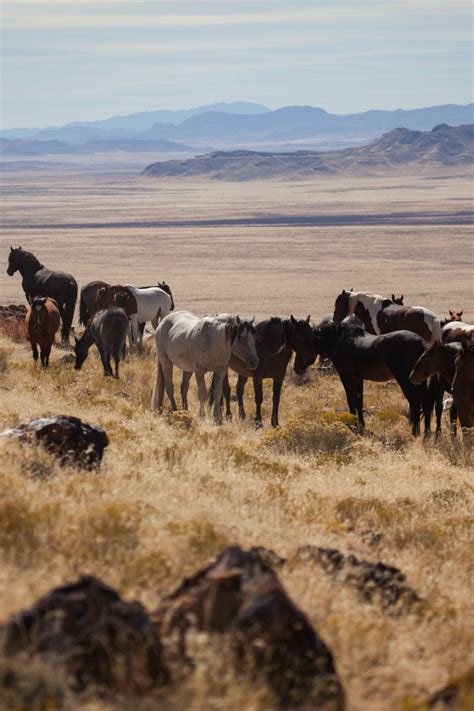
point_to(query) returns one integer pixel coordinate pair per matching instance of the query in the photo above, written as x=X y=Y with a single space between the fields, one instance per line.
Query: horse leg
x=167 y=367
x=184 y=389
x=258 y=390
x=219 y=377
x=350 y=388
x=105 y=361
x=360 y=401
x=34 y=348
x=159 y=389
x=453 y=416
x=226 y=395
x=43 y=355
x=66 y=316
x=46 y=350
x=241 y=381
x=133 y=330
x=202 y=393
x=415 y=399
x=276 y=401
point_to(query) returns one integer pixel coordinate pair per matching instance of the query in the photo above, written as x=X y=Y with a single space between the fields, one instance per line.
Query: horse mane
x=163 y=285
x=28 y=259
x=342 y=330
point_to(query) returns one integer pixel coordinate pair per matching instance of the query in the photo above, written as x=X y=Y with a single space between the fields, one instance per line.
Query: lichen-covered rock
x=372 y=580
x=68 y=437
x=240 y=595
x=94 y=636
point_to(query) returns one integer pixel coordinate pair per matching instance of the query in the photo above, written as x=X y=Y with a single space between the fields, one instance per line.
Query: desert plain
x=172 y=492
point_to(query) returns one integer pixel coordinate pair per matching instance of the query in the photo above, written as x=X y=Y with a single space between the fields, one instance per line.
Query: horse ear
x=343 y=292
x=352 y=288
x=460 y=313
x=252 y=321
x=19 y=247
x=237 y=320
x=293 y=320
x=393 y=297
x=308 y=318
x=11 y=248
x=75 y=338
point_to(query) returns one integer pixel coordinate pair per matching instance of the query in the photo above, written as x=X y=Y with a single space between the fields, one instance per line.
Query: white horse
x=200 y=345
x=153 y=304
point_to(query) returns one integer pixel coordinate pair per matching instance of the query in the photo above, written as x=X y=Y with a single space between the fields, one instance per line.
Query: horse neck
x=30 y=266
x=86 y=339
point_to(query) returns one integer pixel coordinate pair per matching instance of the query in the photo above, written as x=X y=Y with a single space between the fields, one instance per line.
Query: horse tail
x=436 y=334
x=68 y=315
x=83 y=311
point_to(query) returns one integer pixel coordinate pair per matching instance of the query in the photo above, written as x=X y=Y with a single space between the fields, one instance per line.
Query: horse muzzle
x=252 y=363
x=10 y=271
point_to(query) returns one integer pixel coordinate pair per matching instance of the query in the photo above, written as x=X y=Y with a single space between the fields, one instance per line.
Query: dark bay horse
x=40 y=281
x=42 y=322
x=277 y=339
x=108 y=329
x=381 y=315
x=438 y=361
x=358 y=356
x=463 y=390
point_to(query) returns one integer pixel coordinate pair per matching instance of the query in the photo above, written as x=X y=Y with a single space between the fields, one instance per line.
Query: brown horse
x=42 y=319
x=121 y=296
x=463 y=388
x=438 y=362
x=276 y=340
x=380 y=315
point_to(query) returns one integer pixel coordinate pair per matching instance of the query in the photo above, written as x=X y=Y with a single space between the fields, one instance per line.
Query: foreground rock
x=240 y=595
x=374 y=581
x=14 y=312
x=95 y=636
x=70 y=439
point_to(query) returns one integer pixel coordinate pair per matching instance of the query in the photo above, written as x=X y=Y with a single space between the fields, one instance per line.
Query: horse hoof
x=258 y=424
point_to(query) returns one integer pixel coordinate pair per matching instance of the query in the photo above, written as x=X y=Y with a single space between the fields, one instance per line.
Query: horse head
x=163 y=285
x=341 y=306
x=397 y=300
x=38 y=312
x=243 y=339
x=14 y=260
x=455 y=315
x=300 y=340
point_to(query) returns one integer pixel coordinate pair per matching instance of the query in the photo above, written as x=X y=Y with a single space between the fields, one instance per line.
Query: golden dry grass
x=173 y=490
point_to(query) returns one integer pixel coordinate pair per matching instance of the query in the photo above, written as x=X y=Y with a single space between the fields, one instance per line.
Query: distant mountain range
x=442 y=146
x=235 y=125
x=23 y=147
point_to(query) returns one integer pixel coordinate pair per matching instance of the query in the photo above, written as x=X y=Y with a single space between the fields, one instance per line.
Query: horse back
x=49 y=326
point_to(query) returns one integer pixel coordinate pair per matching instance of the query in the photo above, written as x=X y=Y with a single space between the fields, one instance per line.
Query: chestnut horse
x=380 y=315
x=438 y=362
x=117 y=295
x=42 y=322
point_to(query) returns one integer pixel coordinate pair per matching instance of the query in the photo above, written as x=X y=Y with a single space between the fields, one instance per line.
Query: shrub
x=326 y=433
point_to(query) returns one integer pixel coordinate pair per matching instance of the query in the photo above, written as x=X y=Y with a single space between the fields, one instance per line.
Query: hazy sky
x=67 y=60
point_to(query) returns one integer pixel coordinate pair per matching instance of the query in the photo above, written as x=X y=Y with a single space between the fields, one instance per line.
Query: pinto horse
x=380 y=315
x=40 y=281
x=277 y=339
x=457 y=331
x=42 y=322
x=358 y=356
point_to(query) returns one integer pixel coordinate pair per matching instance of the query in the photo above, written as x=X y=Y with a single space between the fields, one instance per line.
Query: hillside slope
x=443 y=145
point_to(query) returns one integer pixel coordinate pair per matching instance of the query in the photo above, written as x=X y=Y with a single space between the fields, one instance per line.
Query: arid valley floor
x=172 y=492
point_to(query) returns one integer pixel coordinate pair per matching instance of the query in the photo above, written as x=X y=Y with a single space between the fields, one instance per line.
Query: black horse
x=358 y=356
x=277 y=338
x=39 y=281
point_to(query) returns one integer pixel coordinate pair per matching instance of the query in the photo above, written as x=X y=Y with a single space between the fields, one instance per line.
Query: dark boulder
x=239 y=594
x=70 y=439
x=89 y=632
x=373 y=581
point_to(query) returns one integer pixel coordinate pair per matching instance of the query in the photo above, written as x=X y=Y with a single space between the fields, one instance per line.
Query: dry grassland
x=173 y=491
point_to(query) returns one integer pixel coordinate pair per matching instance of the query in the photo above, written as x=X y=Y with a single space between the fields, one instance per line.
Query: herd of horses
x=368 y=337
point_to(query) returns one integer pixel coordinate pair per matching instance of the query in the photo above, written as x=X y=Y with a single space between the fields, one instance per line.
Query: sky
x=81 y=60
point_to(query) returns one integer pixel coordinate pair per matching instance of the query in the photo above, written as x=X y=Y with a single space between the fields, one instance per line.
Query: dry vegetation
x=173 y=491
